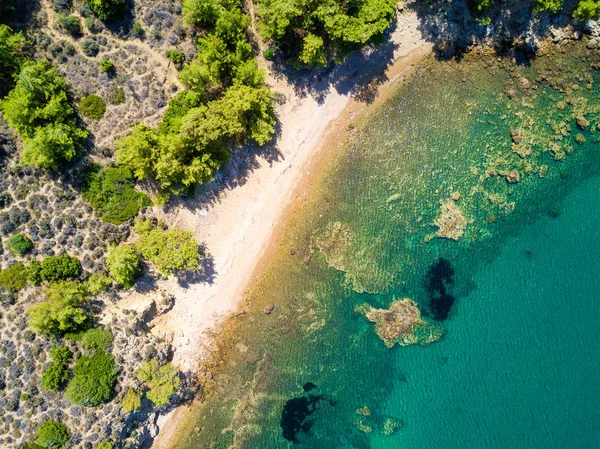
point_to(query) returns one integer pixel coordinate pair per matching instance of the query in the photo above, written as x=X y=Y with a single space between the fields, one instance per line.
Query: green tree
x=137 y=151
x=587 y=9
x=313 y=51
x=107 y=9
x=71 y=25
x=162 y=381
x=59 y=268
x=93 y=380
x=107 y=66
x=123 y=264
x=97 y=340
x=61 y=311
x=172 y=250
x=132 y=401
x=12 y=56
x=92 y=106
x=14 y=278
x=19 y=244
x=201 y=12
x=51 y=145
x=553 y=6
x=106 y=444
x=57 y=373
x=98 y=283
x=52 y=434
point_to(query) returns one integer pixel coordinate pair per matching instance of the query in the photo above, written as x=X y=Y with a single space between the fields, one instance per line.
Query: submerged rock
x=582 y=122
x=451 y=222
x=513 y=176
x=364 y=411
x=401 y=323
x=391 y=425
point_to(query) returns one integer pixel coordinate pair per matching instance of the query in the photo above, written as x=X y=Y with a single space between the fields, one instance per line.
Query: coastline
x=241 y=230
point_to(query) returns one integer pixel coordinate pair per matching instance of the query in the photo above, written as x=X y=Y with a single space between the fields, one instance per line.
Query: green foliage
x=34 y=272
x=172 y=250
x=97 y=340
x=201 y=12
x=116 y=95
x=13 y=278
x=137 y=29
x=93 y=380
x=19 y=244
x=587 y=9
x=107 y=9
x=112 y=195
x=177 y=56
x=39 y=110
x=71 y=25
x=11 y=55
x=92 y=106
x=132 y=401
x=313 y=51
x=162 y=381
x=58 y=268
x=107 y=66
x=481 y=5
x=123 y=264
x=98 y=283
x=52 y=434
x=57 y=373
x=268 y=54
x=553 y=6
x=61 y=311
x=106 y=444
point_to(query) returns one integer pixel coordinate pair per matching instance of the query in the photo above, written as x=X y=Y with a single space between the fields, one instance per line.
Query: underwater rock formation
x=401 y=323
x=344 y=253
x=391 y=425
x=439 y=277
x=294 y=416
x=451 y=221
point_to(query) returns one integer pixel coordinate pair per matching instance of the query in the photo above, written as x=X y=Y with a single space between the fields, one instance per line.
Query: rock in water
x=390 y=425
x=269 y=308
x=451 y=222
x=513 y=176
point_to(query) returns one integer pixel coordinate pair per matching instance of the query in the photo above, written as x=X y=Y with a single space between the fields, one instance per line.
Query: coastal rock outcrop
x=451 y=222
x=401 y=324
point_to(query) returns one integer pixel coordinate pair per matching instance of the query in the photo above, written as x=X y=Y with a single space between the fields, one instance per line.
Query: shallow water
x=516 y=365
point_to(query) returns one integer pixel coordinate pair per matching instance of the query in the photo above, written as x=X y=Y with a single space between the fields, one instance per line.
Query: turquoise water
x=516 y=367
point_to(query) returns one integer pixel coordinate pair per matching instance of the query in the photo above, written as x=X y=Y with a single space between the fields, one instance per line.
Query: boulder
x=524 y=83
x=515 y=136
x=269 y=309
x=592 y=44
x=582 y=122
x=513 y=176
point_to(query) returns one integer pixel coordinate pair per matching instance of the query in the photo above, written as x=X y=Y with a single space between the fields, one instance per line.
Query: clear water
x=517 y=365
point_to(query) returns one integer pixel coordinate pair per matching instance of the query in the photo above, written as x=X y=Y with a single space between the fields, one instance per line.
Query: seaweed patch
x=440 y=276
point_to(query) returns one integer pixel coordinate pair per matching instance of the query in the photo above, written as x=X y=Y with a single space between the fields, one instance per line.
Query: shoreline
x=242 y=229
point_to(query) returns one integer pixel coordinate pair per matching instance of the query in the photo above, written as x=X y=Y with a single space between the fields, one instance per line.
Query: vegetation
x=97 y=340
x=107 y=66
x=137 y=30
x=13 y=278
x=172 y=250
x=112 y=195
x=39 y=110
x=61 y=311
x=116 y=95
x=132 y=401
x=57 y=373
x=98 y=283
x=11 y=56
x=54 y=269
x=587 y=9
x=123 y=264
x=71 y=25
x=19 y=244
x=162 y=381
x=53 y=435
x=106 y=444
x=93 y=380
x=107 y=9
x=92 y=106
x=177 y=56
x=553 y=6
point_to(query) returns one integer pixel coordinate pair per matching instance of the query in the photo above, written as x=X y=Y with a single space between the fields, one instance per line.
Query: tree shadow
x=205 y=274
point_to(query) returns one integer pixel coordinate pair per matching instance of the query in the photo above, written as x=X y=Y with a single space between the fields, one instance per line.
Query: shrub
x=34 y=272
x=97 y=340
x=52 y=434
x=57 y=373
x=549 y=5
x=112 y=195
x=90 y=47
x=93 y=380
x=107 y=66
x=172 y=250
x=587 y=9
x=313 y=51
x=162 y=381
x=123 y=264
x=137 y=29
x=92 y=106
x=11 y=56
x=132 y=401
x=268 y=54
x=98 y=283
x=39 y=110
x=62 y=6
x=177 y=56
x=106 y=444
x=116 y=95
x=58 y=268
x=19 y=244
x=93 y=25
x=14 y=278
x=61 y=311
x=71 y=25
x=107 y=9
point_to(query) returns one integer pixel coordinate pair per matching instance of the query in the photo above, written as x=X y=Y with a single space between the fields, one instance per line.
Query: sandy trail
x=238 y=228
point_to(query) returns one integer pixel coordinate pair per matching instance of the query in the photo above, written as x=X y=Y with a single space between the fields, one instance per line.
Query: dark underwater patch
x=439 y=277
x=294 y=416
x=308 y=386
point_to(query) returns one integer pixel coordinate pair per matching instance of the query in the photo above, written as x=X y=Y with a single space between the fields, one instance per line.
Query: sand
x=240 y=225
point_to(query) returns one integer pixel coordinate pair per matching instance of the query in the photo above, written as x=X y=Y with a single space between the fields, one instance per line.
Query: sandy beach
x=239 y=227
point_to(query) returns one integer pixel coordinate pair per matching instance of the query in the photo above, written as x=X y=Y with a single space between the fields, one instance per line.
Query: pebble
x=268 y=309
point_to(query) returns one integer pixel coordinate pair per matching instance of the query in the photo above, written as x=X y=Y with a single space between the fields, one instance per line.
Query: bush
x=11 y=56
x=52 y=435
x=14 y=278
x=93 y=25
x=107 y=9
x=123 y=264
x=137 y=29
x=57 y=373
x=116 y=95
x=268 y=54
x=39 y=110
x=107 y=66
x=172 y=250
x=132 y=401
x=162 y=381
x=587 y=9
x=112 y=195
x=97 y=340
x=71 y=25
x=93 y=380
x=313 y=51
x=19 y=244
x=90 y=47
x=62 y=6
x=177 y=56
x=106 y=444
x=92 y=106
x=549 y=5
x=98 y=283
x=58 y=268
x=61 y=311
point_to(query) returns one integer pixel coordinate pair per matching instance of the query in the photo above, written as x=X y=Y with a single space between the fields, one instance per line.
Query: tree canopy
x=107 y=9
x=61 y=311
x=162 y=381
x=52 y=435
x=93 y=380
x=11 y=56
x=123 y=264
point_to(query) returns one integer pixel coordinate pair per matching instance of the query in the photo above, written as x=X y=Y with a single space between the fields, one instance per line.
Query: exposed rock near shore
x=451 y=221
